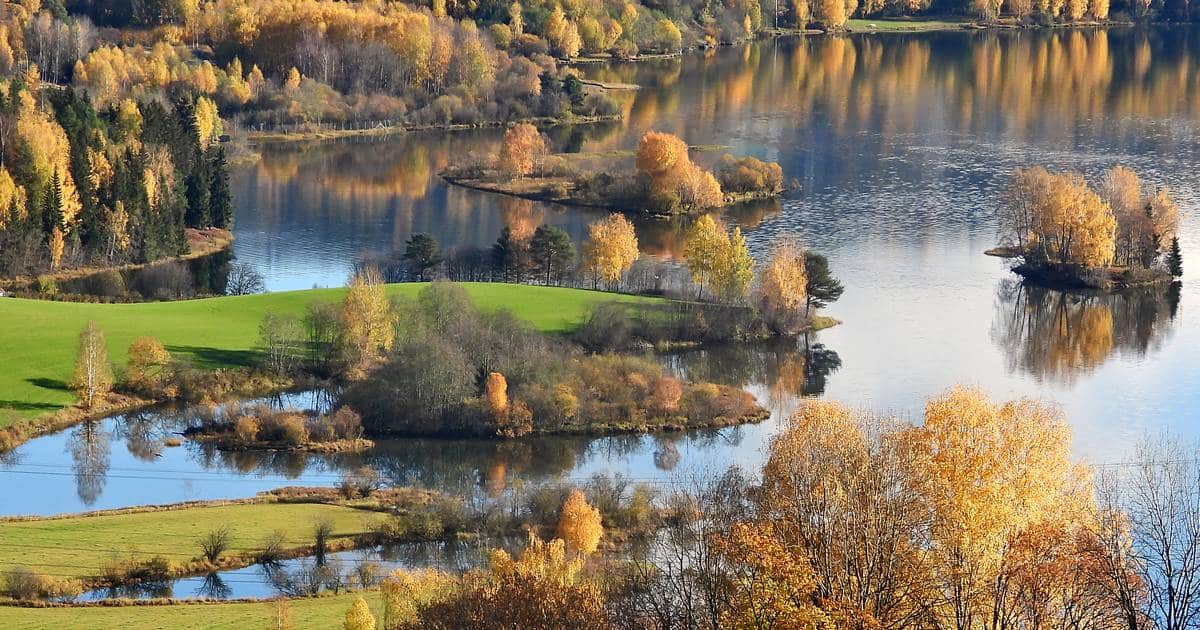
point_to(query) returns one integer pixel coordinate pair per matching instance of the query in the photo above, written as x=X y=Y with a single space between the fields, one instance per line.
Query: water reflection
x=128 y=459
x=1061 y=335
x=305 y=576
x=788 y=369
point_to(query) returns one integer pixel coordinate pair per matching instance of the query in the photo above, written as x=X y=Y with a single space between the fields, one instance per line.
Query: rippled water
x=900 y=144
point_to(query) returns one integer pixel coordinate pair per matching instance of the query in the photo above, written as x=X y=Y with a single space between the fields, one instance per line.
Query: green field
x=38 y=338
x=319 y=613
x=76 y=547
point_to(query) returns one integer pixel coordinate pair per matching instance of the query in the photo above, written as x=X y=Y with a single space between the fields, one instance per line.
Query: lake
x=900 y=144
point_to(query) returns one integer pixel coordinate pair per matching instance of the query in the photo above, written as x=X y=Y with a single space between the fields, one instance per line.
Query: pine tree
x=552 y=250
x=422 y=253
x=509 y=255
x=1175 y=258
x=822 y=288
x=199 y=190
x=220 y=200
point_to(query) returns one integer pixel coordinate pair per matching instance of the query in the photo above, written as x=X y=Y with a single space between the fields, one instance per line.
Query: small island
x=1065 y=234
x=268 y=429
x=663 y=180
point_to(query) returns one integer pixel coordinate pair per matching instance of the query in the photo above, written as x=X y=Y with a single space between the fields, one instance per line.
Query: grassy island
x=662 y=181
x=1065 y=234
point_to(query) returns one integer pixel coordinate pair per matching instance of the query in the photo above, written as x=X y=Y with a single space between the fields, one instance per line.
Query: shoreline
x=558 y=190
x=201 y=242
x=1070 y=277
x=278 y=137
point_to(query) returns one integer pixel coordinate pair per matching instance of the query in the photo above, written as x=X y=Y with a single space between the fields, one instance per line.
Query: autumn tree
x=93 y=376
x=368 y=320
x=772 y=583
x=989 y=472
x=835 y=489
x=579 y=524
x=521 y=150
x=783 y=286
x=148 y=361
x=562 y=34
x=553 y=252
x=704 y=248
x=610 y=250
x=672 y=179
x=359 y=616
x=1057 y=217
x=496 y=391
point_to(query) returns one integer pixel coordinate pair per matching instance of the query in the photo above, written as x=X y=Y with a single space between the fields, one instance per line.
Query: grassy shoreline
x=314 y=613
x=77 y=547
x=212 y=333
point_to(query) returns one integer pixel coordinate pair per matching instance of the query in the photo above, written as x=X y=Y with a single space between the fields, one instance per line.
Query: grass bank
x=77 y=546
x=315 y=613
x=38 y=338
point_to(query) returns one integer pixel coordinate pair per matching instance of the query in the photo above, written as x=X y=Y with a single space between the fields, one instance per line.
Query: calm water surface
x=262 y=581
x=900 y=144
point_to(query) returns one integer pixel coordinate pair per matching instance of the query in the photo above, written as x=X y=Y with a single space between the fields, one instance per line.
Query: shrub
x=245 y=429
x=214 y=543
x=748 y=175
x=22 y=583
x=347 y=424
x=359 y=482
x=283 y=428
x=320 y=429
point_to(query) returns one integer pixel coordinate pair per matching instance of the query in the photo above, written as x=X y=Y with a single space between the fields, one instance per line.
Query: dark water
x=900 y=144
x=285 y=577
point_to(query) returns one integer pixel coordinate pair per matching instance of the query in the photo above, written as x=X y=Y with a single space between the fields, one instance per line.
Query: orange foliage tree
x=579 y=524
x=521 y=149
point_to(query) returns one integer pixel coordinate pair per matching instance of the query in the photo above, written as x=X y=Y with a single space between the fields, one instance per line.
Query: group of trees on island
x=1058 y=218
x=664 y=180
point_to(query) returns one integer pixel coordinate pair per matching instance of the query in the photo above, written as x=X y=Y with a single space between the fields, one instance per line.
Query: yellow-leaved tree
x=208 y=122
x=579 y=524
x=783 y=286
x=93 y=376
x=368 y=320
x=148 y=360
x=521 y=150
x=704 y=246
x=359 y=616
x=610 y=250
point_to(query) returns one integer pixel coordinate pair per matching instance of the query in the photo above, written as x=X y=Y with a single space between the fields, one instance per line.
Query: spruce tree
x=1175 y=258
x=199 y=191
x=220 y=200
